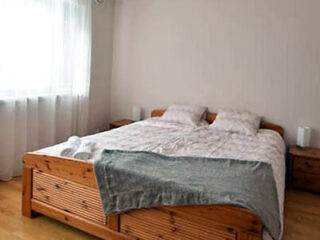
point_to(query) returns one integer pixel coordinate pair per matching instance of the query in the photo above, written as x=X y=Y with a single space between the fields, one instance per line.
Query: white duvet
x=176 y=139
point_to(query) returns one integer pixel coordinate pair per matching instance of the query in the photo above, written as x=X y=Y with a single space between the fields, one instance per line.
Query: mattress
x=175 y=139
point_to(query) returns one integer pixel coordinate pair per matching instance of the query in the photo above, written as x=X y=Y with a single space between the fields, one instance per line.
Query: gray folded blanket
x=136 y=179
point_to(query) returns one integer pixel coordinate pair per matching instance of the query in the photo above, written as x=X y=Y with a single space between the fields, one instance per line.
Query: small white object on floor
x=71 y=146
x=84 y=152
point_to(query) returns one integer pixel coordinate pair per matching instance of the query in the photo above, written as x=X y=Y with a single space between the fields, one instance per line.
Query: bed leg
x=113 y=222
x=27 y=191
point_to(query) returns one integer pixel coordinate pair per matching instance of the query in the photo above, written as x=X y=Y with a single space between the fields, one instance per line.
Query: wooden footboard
x=66 y=190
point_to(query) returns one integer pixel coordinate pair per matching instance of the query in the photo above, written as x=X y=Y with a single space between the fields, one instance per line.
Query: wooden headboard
x=210 y=117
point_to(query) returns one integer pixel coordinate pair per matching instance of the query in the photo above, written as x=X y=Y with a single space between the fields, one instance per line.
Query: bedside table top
x=121 y=122
x=305 y=152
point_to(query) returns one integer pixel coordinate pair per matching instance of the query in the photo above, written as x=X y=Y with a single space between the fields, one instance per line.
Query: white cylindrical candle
x=136 y=113
x=303 y=136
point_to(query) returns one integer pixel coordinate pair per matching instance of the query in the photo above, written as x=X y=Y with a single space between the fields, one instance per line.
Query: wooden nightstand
x=305 y=168
x=120 y=123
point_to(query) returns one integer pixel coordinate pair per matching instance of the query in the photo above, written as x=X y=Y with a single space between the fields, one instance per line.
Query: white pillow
x=234 y=121
x=186 y=114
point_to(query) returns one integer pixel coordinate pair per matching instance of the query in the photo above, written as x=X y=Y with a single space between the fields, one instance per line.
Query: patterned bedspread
x=174 y=139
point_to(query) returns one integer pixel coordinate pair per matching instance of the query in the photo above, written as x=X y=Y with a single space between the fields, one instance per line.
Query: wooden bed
x=66 y=190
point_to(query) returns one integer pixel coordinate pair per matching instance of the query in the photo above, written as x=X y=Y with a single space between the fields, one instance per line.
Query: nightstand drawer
x=306 y=181
x=307 y=165
x=304 y=168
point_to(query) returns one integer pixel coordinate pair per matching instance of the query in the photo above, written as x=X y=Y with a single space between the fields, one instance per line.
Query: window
x=45 y=47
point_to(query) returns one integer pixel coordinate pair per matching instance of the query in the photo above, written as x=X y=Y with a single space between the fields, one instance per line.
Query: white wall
x=259 y=55
x=102 y=39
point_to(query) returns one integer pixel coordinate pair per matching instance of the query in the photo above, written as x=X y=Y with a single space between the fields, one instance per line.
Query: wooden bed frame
x=65 y=189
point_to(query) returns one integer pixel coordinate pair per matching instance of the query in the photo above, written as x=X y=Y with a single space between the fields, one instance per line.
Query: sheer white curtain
x=45 y=49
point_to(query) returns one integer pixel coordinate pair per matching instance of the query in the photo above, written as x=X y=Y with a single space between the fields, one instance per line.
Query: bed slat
x=68 y=168
x=78 y=222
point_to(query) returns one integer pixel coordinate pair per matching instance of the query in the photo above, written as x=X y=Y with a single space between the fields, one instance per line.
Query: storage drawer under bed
x=174 y=223
x=68 y=196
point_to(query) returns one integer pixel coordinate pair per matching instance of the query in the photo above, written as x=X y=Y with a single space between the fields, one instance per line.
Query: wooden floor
x=302 y=218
